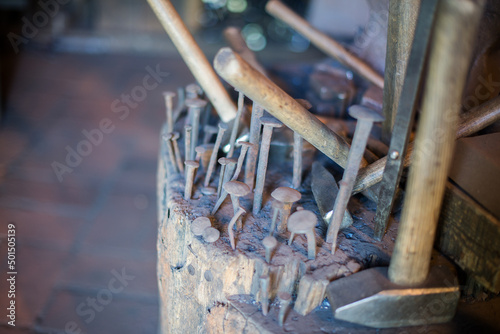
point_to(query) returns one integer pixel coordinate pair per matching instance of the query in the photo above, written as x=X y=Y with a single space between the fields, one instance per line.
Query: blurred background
x=86 y=223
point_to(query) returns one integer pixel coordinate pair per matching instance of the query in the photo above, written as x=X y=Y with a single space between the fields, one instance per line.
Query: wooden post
x=450 y=55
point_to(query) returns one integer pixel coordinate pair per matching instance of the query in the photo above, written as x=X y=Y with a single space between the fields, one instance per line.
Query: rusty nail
x=366 y=117
x=303 y=222
x=236 y=217
x=277 y=205
x=236 y=123
x=244 y=148
x=213 y=158
x=269 y=123
x=193 y=91
x=257 y=113
x=270 y=244
x=191 y=167
x=169 y=106
x=194 y=109
x=297 y=151
x=211 y=234
x=284 y=298
x=287 y=196
x=168 y=142
x=199 y=225
x=178 y=159
x=264 y=293
x=187 y=141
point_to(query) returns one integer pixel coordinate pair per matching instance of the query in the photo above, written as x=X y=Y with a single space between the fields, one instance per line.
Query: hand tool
x=194 y=58
x=471 y=122
x=404 y=117
x=323 y=42
x=238 y=44
x=366 y=117
x=232 y=68
x=414 y=291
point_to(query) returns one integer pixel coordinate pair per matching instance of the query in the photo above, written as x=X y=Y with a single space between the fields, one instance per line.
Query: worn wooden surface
x=470 y=235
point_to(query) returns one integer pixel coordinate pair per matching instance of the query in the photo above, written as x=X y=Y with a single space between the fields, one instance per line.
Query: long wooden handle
x=473 y=121
x=323 y=42
x=238 y=73
x=451 y=51
x=194 y=58
x=238 y=44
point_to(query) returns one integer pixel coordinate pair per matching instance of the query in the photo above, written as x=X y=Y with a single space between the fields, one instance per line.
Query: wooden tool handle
x=194 y=58
x=323 y=42
x=473 y=121
x=238 y=44
x=450 y=55
x=238 y=73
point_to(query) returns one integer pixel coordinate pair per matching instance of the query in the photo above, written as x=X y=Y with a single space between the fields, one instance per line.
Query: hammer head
x=369 y=298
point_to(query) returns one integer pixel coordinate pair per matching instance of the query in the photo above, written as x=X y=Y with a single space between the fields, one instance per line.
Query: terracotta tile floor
x=86 y=244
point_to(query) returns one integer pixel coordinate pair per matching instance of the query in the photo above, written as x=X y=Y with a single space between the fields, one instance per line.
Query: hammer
x=414 y=291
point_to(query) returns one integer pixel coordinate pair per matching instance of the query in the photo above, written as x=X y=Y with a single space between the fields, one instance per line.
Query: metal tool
x=325 y=190
x=415 y=290
x=366 y=117
x=404 y=117
x=269 y=123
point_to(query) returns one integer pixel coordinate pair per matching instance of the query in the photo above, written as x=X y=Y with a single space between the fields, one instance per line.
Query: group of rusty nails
x=283 y=297
x=302 y=221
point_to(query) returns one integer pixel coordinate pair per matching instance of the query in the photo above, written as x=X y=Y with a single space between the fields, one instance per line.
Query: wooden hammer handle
x=194 y=58
x=449 y=60
x=238 y=44
x=323 y=42
x=238 y=73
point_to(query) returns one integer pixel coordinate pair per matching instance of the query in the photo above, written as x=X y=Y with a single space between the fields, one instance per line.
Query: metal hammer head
x=369 y=298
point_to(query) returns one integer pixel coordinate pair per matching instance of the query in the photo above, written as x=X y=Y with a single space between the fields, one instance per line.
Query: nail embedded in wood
x=236 y=217
x=287 y=196
x=269 y=123
x=199 y=225
x=264 y=293
x=191 y=167
x=270 y=244
x=257 y=113
x=187 y=142
x=211 y=234
x=177 y=152
x=200 y=150
x=170 y=151
x=245 y=146
x=169 y=96
x=193 y=91
x=277 y=206
x=303 y=222
x=366 y=117
x=297 y=151
x=179 y=108
x=222 y=128
x=223 y=163
x=236 y=189
x=230 y=167
x=209 y=131
x=285 y=298
x=194 y=109
x=236 y=123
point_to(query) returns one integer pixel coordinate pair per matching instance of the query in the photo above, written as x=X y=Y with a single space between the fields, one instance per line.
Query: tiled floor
x=86 y=246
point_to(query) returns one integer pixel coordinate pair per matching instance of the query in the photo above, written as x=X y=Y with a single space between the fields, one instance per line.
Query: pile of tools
x=389 y=297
